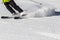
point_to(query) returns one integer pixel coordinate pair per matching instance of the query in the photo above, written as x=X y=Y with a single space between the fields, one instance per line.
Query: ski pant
x=10 y=5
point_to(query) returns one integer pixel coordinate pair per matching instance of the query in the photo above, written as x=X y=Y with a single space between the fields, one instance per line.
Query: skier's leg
x=13 y=4
x=9 y=8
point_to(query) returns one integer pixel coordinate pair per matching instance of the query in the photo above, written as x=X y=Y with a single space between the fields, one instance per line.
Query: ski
x=7 y=17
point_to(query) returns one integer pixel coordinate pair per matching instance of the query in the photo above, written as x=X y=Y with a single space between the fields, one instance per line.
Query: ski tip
x=5 y=17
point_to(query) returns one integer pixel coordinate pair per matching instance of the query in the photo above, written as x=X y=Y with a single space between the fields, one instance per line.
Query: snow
x=37 y=27
x=30 y=29
x=42 y=12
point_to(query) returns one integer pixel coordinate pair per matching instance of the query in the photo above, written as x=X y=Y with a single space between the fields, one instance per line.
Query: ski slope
x=31 y=28
x=47 y=28
x=55 y=3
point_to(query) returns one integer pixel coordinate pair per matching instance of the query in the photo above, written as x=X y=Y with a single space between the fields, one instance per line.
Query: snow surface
x=33 y=28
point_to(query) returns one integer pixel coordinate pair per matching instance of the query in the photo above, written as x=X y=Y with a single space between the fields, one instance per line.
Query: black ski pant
x=10 y=5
